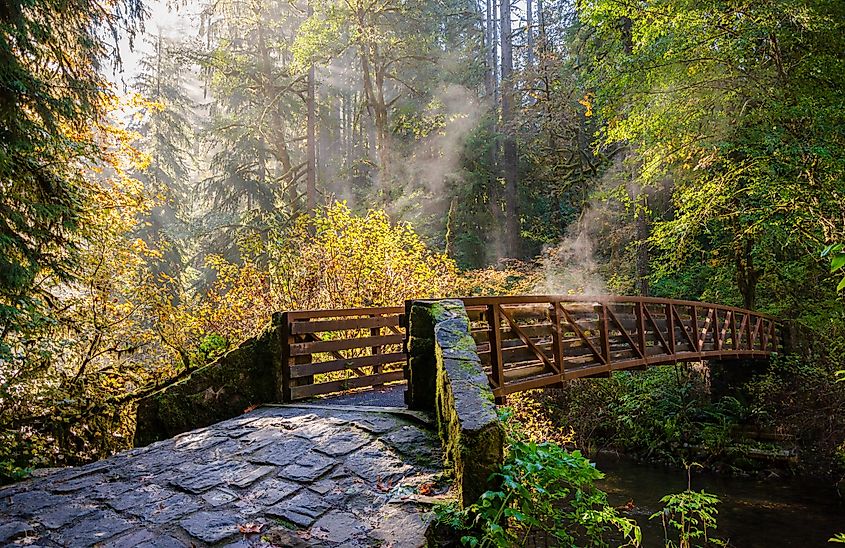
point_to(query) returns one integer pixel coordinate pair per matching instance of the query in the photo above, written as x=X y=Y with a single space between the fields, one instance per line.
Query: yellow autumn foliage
x=337 y=259
x=333 y=259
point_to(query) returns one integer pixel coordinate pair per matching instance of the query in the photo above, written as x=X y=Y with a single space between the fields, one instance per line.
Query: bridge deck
x=296 y=476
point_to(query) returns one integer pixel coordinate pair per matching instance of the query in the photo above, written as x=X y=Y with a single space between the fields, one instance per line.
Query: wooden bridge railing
x=535 y=341
x=329 y=351
x=524 y=342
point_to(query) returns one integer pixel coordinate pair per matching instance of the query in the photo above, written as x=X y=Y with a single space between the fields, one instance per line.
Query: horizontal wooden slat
x=550 y=379
x=343 y=312
x=303 y=349
x=308 y=369
x=308 y=390
x=531 y=369
x=299 y=327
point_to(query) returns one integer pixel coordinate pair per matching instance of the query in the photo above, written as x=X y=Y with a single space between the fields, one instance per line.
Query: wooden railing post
x=748 y=331
x=695 y=338
x=734 y=340
x=299 y=360
x=723 y=332
x=496 y=366
x=765 y=331
x=716 y=330
x=286 y=339
x=670 y=326
x=638 y=310
x=557 y=339
x=604 y=334
x=376 y=350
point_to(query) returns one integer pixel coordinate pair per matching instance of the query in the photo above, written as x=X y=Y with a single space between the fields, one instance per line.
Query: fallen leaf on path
x=384 y=487
x=249 y=528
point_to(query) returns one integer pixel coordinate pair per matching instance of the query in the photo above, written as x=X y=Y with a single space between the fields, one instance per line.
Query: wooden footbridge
x=524 y=342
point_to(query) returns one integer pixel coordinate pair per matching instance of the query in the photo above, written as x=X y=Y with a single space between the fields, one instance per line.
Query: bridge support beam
x=445 y=378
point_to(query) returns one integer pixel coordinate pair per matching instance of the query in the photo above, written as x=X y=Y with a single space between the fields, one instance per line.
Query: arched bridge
x=524 y=342
x=348 y=474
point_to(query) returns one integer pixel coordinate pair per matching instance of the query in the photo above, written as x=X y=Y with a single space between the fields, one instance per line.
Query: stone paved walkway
x=390 y=396
x=277 y=476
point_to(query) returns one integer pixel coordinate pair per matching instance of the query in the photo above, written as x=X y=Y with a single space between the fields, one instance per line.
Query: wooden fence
x=330 y=351
x=524 y=342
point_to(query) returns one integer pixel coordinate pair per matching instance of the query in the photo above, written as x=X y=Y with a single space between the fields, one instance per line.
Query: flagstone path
x=277 y=476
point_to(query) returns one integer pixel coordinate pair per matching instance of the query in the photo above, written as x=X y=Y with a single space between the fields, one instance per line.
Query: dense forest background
x=320 y=153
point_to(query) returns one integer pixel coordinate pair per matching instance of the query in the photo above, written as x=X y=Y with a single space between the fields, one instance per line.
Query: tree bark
x=509 y=150
x=747 y=275
x=277 y=121
x=488 y=48
x=643 y=229
x=373 y=81
x=310 y=138
x=529 y=19
x=494 y=51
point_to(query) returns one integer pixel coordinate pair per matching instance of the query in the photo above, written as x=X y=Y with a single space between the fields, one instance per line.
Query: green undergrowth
x=542 y=491
x=666 y=414
x=662 y=414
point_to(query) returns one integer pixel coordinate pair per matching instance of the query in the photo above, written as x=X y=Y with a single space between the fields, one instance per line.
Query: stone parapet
x=446 y=378
x=242 y=378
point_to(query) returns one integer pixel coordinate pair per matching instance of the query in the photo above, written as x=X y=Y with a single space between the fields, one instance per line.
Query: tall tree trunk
x=541 y=23
x=494 y=50
x=509 y=151
x=529 y=19
x=277 y=121
x=641 y=262
x=488 y=48
x=746 y=273
x=310 y=138
x=495 y=248
x=373 y=81
x=349 y=103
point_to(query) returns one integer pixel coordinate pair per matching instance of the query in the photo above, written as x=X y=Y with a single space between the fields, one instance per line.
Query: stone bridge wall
x=445 y=378
x=244 y=377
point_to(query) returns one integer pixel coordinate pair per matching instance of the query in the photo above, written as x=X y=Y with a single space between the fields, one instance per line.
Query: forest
x=298 y=154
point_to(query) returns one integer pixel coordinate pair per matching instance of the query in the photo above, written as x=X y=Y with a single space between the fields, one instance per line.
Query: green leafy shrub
x=836 y=252
x=543 y=490
x=663 y=414
x=689 y=515
x=210 y=348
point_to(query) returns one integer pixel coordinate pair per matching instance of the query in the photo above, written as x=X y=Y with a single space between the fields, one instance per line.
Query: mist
x=570 y=267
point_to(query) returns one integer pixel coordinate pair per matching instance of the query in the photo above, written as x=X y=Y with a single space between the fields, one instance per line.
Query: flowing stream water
x=753 y=513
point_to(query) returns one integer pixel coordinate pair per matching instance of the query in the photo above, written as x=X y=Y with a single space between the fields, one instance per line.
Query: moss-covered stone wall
x=446 y=378
x=243 y=377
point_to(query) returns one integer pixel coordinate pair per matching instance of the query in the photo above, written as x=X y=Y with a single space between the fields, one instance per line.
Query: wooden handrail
x=526 y=341
x=608 y=333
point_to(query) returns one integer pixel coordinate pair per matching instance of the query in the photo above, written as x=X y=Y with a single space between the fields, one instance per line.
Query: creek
x=753 y=513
